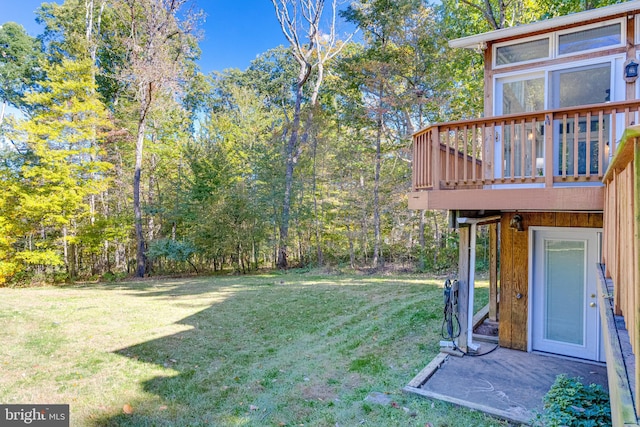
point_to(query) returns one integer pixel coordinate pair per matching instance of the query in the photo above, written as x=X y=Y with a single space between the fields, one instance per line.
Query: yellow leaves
x=40 y=257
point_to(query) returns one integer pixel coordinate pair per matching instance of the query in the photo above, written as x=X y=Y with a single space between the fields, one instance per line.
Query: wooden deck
x=547 y=160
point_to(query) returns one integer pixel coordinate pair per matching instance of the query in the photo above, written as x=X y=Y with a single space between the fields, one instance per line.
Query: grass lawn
x=269 y=350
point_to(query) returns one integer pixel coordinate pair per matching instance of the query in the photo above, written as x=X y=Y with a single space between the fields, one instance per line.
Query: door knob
x=592 y=304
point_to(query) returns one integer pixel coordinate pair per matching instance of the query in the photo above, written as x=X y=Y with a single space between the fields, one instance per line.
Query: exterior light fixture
x=631 y=70
x=516 y=223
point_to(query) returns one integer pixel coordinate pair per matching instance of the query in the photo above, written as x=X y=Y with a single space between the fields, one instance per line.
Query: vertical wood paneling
x=514 y=269
x=519 y=306
x=563 y=219
x=506 y=281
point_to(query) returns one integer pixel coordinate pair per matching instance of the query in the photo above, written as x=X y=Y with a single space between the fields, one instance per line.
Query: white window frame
x=554 y=42
x=623 y=37
x=514 y=77
x=617 y=83
x=519 y=41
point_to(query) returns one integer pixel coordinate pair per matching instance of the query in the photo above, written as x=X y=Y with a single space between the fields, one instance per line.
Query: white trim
x=617 y=83
x=501 y=79
x=496 y=46
x=473 y=42
x=554 y=43
x=532 y=230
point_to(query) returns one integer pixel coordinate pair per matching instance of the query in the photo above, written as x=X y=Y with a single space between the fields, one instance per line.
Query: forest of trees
x=119 y=157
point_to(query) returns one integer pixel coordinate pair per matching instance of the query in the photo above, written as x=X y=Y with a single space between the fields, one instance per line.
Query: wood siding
x=514 y=269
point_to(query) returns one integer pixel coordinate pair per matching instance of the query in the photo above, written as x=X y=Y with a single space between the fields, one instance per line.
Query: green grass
x=270 y=350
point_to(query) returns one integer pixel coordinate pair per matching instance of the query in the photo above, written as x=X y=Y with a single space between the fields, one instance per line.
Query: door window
x=573 y=87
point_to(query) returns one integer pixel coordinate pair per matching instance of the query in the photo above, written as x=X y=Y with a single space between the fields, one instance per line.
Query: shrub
x=570 y=403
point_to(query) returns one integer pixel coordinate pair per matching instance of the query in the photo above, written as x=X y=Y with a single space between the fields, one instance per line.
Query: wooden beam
x=533 y=199
x=493 y=272
x=428 y=370
x=620 y=396
x=636 y=272
x=631 y=54
x=514 y=416
x=463 y=285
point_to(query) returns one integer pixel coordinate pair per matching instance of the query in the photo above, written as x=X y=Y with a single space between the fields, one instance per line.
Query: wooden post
x=463 y=285
x=636 y=273
x=435 y=158
x=548 y=151
x=493 y=272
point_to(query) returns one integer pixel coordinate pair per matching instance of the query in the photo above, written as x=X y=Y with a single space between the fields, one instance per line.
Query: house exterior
x=553 y=168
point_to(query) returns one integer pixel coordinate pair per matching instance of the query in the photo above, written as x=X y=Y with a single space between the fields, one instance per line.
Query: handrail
x=607 y=107
x=542 y=148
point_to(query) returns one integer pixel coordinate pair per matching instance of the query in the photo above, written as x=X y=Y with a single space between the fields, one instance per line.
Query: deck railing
x=542 y=149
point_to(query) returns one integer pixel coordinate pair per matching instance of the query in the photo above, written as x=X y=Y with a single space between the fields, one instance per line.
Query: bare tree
x=312 y=49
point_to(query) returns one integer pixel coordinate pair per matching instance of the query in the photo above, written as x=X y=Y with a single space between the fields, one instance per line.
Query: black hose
x=451 y=322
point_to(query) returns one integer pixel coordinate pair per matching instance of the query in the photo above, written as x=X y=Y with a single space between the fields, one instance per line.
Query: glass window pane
x=520 y=52
x=523 y=96
x=584 y=85
x=564 y=291
x=592 y=38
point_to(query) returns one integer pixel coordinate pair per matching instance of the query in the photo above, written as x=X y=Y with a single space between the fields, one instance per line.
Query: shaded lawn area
x=268 y=350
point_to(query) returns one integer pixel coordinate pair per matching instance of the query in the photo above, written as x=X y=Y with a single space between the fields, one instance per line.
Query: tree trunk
x=377 y=256
x=291 y=154
x=352 y=254
x=141 y=258
x=151 y=199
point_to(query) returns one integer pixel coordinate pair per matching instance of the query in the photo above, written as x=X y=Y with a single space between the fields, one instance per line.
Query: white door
x=565 y=318
x=570 y=87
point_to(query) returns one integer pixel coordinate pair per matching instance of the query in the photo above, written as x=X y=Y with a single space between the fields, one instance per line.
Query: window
x=522 y=96
x=606 y=35
x=520 y=52
x=581 y=85
x=592 y=38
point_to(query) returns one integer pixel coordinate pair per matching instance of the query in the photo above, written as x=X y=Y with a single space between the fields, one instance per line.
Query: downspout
x=472 y=286
x=473 y=222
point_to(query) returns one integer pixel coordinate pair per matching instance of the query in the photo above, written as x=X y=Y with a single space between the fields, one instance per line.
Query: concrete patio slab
x=508 y=384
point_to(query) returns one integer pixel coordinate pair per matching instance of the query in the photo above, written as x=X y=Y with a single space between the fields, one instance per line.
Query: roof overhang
x=473 y=42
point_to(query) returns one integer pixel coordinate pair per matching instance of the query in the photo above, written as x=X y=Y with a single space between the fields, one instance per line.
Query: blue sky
x=235 y=31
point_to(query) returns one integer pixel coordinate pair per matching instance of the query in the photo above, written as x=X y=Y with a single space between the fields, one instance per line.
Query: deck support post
x=493 y=272
x=463 y=286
